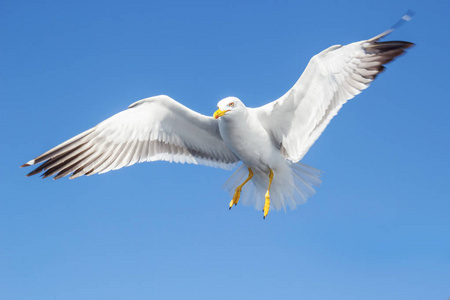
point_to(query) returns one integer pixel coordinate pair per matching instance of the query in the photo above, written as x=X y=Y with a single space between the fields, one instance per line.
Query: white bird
x=269 y=140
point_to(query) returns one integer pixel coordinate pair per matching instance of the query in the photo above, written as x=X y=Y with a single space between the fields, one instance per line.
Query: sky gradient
x=378 y=227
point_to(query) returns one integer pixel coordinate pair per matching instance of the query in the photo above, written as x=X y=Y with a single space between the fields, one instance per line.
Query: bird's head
x=228 y=106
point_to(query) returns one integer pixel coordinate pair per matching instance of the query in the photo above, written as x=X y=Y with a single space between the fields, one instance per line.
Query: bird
x=269 y=141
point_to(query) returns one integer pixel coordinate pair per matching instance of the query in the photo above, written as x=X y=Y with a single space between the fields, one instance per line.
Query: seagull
x=270 y=140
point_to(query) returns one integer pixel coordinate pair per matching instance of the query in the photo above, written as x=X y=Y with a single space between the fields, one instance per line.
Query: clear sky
x=378 y=227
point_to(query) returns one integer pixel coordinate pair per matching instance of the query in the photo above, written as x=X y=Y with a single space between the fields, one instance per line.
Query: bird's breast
x=250 y=142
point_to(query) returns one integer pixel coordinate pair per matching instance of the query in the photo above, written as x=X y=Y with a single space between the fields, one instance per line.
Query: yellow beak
x=219 y=113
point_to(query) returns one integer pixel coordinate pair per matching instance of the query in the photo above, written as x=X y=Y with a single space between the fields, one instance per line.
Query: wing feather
x=156 y=128
x=331 y=78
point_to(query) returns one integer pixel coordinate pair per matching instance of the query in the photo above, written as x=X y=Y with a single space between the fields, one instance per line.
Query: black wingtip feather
x=34 y=172
x=390 y=45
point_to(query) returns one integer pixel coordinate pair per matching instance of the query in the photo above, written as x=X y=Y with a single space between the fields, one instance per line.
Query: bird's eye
x=231 y=104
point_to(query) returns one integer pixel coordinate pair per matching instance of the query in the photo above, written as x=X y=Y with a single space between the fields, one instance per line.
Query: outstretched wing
x=156 y=128
x=332 y=77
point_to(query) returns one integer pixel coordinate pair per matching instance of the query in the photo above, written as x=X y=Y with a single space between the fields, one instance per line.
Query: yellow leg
x=267 y=203
x=237 y=192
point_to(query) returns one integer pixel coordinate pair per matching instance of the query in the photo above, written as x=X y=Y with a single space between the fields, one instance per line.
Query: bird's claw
x=234 y=201
x=266 y=205
x=237 y=191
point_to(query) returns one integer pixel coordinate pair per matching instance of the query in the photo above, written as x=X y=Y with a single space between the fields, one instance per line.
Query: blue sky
x=378 y=227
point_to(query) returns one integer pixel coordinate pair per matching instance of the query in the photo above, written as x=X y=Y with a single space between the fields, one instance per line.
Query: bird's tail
x=292 y=185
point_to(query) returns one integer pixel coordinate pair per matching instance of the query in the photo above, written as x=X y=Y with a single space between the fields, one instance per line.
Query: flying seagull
x=269 y=140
